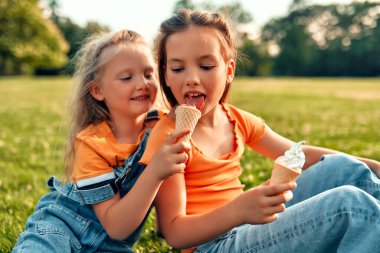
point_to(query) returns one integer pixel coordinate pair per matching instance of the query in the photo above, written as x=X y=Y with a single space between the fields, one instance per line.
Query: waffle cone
x=186 y=119
x=282 y=174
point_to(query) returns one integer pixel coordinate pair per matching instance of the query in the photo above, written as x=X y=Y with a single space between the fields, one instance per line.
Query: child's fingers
x=176 y=135
x=288 y=195
x=277 y=189
x=269 y=219
x=275 y=209
x=180 y=158
x=266 y=183
x=181 y=147
x=181 y=167
x=280 y=198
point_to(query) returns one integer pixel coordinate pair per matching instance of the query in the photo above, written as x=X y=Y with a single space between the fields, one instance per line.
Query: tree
x=300 y=55
x=254 y=59
x=235 y=13
x=28 y=39
x=327 y=40
x=54 y=6
x=297 y=4
x=183 y=4
x=73 y=33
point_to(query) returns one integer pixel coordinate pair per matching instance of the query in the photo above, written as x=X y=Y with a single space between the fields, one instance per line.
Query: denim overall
x=64 y=220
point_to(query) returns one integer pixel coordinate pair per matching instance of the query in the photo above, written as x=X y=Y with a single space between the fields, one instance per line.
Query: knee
x=346 y=191
x=349 y=194
x=338 y=159
x=342 y=161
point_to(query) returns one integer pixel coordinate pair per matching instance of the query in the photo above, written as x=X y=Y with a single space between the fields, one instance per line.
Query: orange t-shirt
x=97 y=153
x=211 y=182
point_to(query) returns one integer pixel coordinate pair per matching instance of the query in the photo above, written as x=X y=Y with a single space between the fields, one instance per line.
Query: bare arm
x=273 y=145
x=121 y=216
x=314 y=153
x=256 y=206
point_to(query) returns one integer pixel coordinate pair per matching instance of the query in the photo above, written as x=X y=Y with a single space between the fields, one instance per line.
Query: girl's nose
x=143 y=83
x=192 y=79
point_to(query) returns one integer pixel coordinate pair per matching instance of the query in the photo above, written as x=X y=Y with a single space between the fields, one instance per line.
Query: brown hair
x=90 y=60
x=183 y=20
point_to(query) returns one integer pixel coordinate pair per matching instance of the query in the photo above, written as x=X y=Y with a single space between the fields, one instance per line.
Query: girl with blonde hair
x=108 y=195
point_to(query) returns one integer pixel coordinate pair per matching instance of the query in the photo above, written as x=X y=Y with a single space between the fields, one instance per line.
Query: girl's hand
x=261 y=204
x=171 y=156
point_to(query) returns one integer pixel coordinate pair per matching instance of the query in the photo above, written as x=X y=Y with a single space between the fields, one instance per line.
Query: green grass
x=341 y=114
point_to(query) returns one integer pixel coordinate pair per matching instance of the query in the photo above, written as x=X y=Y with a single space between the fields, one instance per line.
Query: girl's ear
x=96 y=91
x=230 y=71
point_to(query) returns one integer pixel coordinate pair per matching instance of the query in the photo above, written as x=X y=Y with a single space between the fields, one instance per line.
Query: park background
x=311 y=73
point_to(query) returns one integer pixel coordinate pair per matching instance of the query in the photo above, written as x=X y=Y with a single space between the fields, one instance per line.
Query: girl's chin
x=142 y=108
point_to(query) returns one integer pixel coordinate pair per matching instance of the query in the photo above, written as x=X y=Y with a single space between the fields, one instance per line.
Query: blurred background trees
x=326 y=40
x=311 y=40
x=38 y=41
x=28 y=40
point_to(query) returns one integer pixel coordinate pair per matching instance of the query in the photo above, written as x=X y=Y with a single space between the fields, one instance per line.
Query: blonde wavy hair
x=90 y=60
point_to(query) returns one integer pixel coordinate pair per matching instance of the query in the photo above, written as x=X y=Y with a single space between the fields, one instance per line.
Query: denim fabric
x=83 y=197
x=64 y=220
x=335 y=208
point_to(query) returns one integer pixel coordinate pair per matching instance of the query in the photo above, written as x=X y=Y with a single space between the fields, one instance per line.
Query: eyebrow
x=203 y=57
x=130 y=70
x=174 y=60
x=207 y=56
x=150 y=68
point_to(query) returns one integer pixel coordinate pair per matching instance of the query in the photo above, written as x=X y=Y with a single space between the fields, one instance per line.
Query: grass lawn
x=342 y=114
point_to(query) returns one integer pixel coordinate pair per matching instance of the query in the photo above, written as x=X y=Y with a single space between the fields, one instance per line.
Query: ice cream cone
x=186 y=119
x=282 y=174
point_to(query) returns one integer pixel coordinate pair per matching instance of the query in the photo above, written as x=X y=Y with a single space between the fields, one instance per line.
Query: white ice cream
x=293 y=158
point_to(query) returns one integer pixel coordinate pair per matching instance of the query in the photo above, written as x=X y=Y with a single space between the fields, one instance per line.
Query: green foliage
x=253 y=59
x=327 y=40
x=311 y=40
x=342 y=114
x=73 y=33
x=234 y=12
x=299 y=53
x=28 y=39
x=183 y=4
x=75 y=36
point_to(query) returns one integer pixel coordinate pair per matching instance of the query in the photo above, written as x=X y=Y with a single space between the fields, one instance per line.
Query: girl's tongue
x=196 y=101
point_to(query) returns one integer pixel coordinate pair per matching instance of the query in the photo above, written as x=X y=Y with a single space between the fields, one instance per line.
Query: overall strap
x=100 y=192
x=83 y=197
x=152 y=117
x=132 y=168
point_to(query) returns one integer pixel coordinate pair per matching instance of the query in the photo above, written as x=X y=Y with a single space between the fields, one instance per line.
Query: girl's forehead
x=139 y=48
x=193 y=39
x=127 y=49
x=198 y=33
x=137 y=58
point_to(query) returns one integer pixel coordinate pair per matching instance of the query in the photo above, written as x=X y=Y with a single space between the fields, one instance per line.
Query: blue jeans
x=335 y=208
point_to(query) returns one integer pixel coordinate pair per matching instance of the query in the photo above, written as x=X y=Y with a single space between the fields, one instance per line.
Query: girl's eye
x=126 y=78
x=207 y=67
x=177 y=69
x=148 y=75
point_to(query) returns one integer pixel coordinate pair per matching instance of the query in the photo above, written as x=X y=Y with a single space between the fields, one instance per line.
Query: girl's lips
x=142 y=97
x=195 y=99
